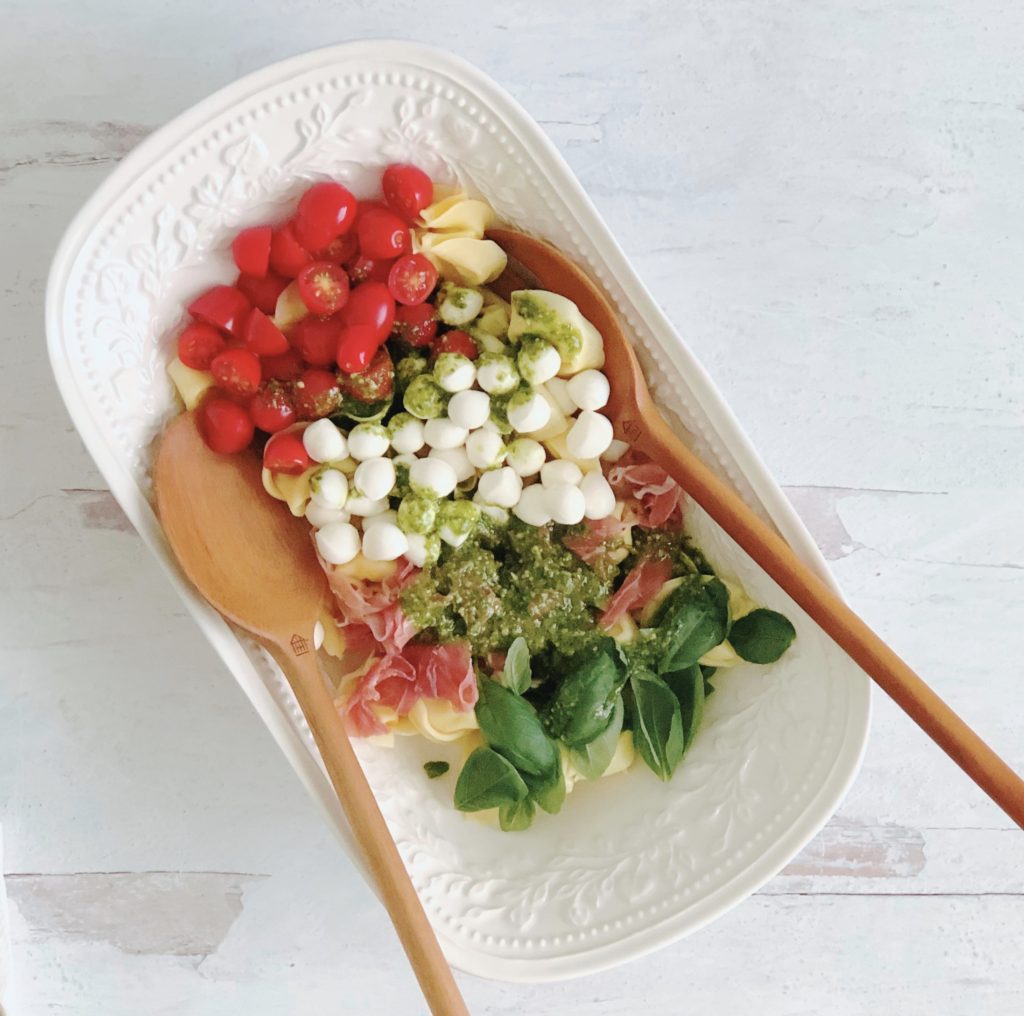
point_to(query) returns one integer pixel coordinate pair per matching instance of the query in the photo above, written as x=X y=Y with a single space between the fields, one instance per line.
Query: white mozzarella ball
x=532 y=508
x=324 y=442
x=384 y=542
x=529 y=413
x=455 y=372
x=375 y=478
x=559 y=391
x=589 y=436
x=390 y=516
x=319 y=515
x=452 y=538
x=405 y=459
x=422 y=550
x=338 y=542
x=444 y=433
x=589 y=389
x=526 y=456
x=485 y=449
x=368 y=441
x=330 y=488
x=407 y=434
x=496 y=514
x=497 y=374
x=458 y=459
x=364 y=507
x=538 y=361
x=560 y=471
x=432 y=477
x=501 y=487
x=615 y=451
x=566 y=503
x=469 y=409
x=598 y=494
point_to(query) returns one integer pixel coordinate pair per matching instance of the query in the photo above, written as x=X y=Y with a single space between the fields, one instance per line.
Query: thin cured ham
x=639 y=586
x=655 y=499
x=590 y=545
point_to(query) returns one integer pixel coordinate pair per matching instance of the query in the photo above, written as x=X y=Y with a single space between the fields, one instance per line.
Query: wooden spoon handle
x=371 y=833
x=777 y=558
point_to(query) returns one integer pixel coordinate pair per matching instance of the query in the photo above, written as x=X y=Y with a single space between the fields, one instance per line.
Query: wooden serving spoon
x=638 y=421
x=255 y=564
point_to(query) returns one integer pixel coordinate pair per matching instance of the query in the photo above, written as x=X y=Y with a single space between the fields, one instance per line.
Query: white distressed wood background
x=828 y=199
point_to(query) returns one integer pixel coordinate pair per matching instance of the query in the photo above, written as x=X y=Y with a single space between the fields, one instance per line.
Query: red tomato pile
x=352 y=267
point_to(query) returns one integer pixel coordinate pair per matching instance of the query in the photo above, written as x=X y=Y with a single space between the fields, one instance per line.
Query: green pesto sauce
x=505 y=582
x=546 y=324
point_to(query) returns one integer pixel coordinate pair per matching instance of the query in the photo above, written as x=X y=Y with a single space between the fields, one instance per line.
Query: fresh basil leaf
x=516 y=816
x=762 y=636
x=488 y=781
x=593 y=758
x=548 y=791
x=657 y=723
x=435 y=769
x=688 y=687
x=582 y=706
x=511 y=726
x=517 y=675
x=694 y=620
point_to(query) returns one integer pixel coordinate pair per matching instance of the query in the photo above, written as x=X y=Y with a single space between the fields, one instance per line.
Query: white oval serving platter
x=630 y=864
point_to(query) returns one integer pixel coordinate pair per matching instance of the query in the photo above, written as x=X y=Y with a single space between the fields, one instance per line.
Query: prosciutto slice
x=589 y=546
x=655 y=499
x=639 y=586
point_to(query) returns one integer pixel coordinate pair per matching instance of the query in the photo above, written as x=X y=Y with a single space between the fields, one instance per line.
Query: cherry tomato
x=251 y=250
x=356 y=347
x=407 y=189
x=340 y=250
x=272 y=408
x=382 y=234
x=326 y=210
x=363 y=269
x=224 y=307
x=285 y=453
x=286 y=367
x=371 y=304
x=226 y=426
x=315 y=339
x=316 y=394
x=417 y=325
x=237 y=371
x=412 y=279
x=262 y=336
x=288 y=256
x=262 y=293
x=323 y=287
x=374 y=383
x=198 y=344
x=457 y=342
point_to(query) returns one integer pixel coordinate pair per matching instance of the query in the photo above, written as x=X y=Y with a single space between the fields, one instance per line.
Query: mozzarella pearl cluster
x=448 y=437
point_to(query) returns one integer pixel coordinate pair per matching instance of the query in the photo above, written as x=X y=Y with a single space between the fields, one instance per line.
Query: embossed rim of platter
x=754 y=480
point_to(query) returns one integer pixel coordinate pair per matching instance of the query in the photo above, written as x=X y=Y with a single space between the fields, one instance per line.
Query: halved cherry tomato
x=226 y=426
x=356 y=347
x=374 y=383
x=198 y=344
x=417 y=325
x=363 y=269
x=326 y=210
x=262 y=293
x=224 y=307
x=251 y=250
x=286 y=367
x=407 y=189
x=382 y=234
x=272 y=408
x=262 y=336
x=285 y=453
x=316 y=394
x=340 y=249
x=457 y=341
x=287 y=255
x=237 y=371
x=315 y=339
x=412 y=279
x=323 y=287
x=371 y=304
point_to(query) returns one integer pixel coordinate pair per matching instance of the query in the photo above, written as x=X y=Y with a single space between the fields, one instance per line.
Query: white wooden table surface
x=828 y=199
